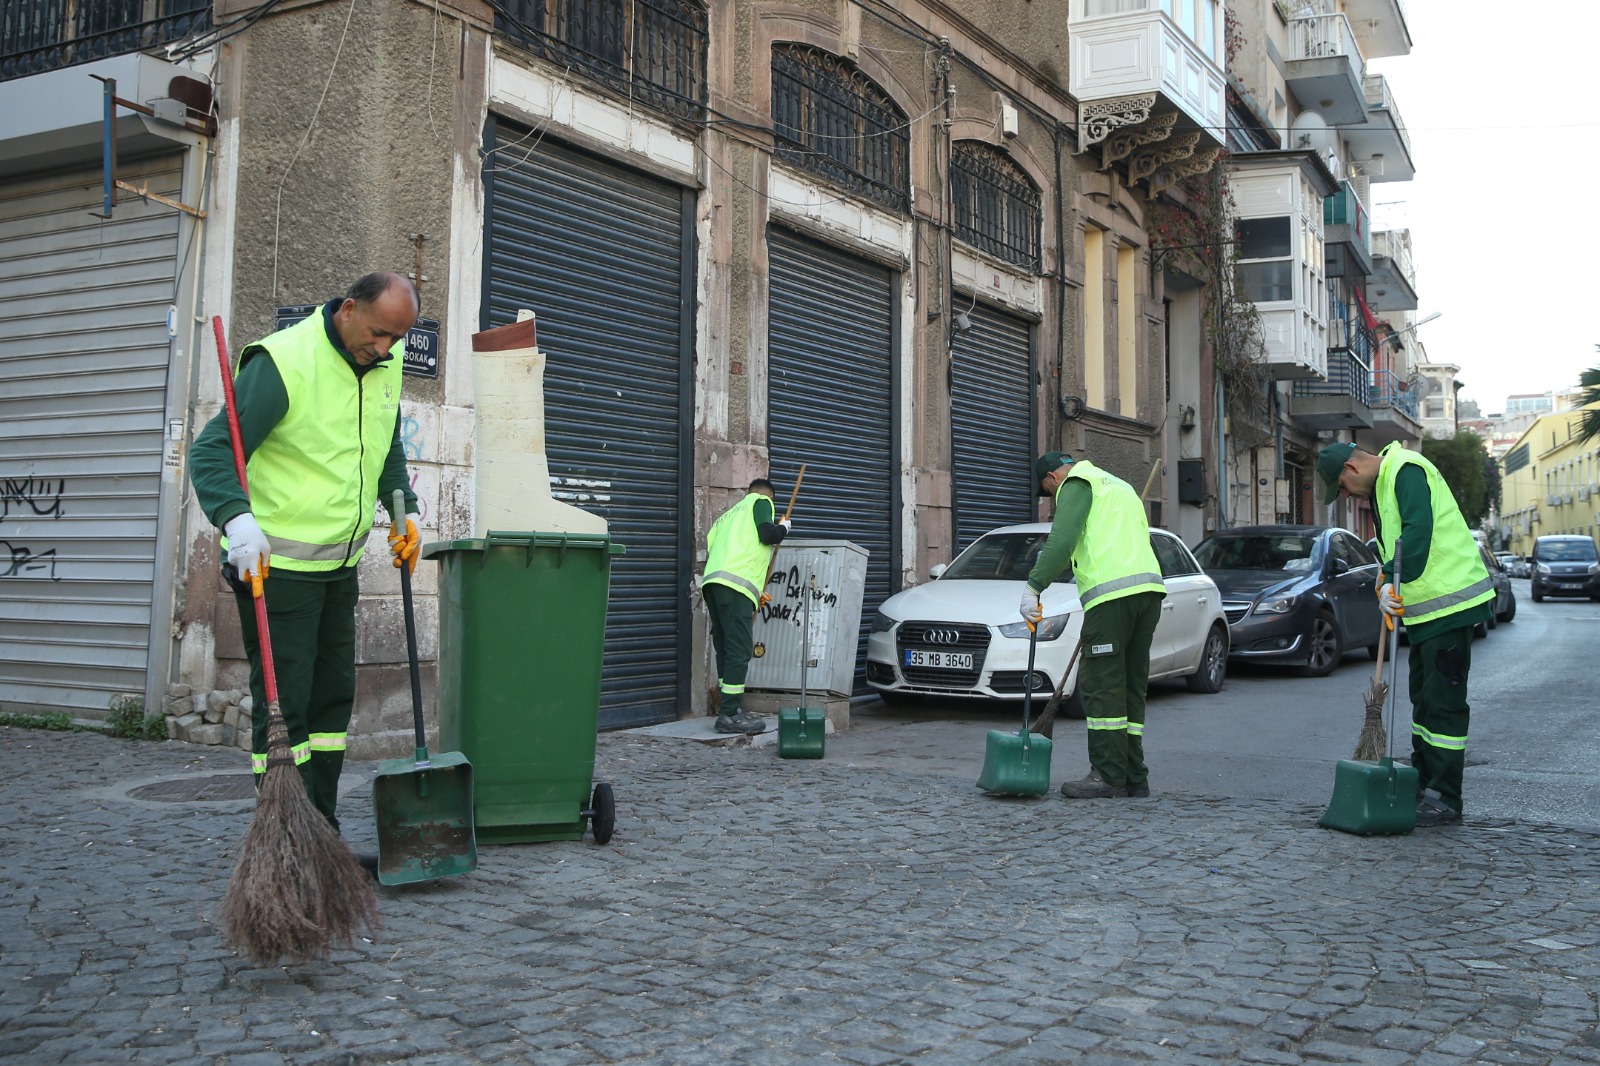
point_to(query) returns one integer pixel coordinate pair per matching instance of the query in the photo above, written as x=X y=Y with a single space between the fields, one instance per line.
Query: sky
x=1504 y=212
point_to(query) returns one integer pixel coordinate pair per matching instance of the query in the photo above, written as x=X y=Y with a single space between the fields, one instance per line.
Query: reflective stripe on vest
x=314 y=479
x=735 y=556
x=1455 y=577
x=1113 y=558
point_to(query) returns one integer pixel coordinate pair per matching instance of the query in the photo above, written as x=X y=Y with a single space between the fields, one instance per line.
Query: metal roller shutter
x=602 y=255
x=830 y=404
x=84 y=348
x=991 y=424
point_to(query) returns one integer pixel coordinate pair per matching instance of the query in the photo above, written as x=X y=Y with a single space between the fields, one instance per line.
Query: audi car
x=960 y=634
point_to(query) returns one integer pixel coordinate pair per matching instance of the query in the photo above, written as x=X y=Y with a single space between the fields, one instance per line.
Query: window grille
x=42 y=35
x=651 y=50
x=996 y=207
x=830 y=119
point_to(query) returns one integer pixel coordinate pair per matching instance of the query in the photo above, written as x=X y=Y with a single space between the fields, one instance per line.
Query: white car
x=960 y=635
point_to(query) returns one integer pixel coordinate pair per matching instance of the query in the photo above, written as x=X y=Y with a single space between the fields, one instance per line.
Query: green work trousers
x=313 y=627
x=1439 y=711
x=1113 y=676
x=732 y=621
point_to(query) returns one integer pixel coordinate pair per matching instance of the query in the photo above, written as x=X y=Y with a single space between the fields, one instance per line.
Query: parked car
x=959 y=635
x=1507 y=561
x=1295 y=593
x=1505 y=600
x=1565 y=565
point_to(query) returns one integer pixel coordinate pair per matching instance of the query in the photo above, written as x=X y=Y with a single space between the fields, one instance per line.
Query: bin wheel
x=603 y=813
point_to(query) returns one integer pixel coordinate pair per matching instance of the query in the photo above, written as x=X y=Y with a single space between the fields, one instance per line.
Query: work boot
x=742 y=722
x=369 y=863
x=1093 y=787
x=1432 y=812
x=1140 y=791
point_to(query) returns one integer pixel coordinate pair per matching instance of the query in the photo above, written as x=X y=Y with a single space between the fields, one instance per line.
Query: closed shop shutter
x=830 y=405
x=991 y=424
x=601 y=254
x=84 y=349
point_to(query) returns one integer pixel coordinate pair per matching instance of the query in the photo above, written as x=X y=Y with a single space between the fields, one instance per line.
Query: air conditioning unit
x=1566 y=497
x=1583 y=493
x=1594 y=486
x=1550 y=499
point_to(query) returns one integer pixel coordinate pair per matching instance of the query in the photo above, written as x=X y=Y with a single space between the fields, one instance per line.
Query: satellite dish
x=1423 y=386
x=1310 y=133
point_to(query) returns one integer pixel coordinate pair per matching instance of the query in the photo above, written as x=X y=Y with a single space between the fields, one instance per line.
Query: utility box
x=840 y=570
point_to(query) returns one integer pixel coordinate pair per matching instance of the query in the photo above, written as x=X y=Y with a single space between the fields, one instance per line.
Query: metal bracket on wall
x=109 y=154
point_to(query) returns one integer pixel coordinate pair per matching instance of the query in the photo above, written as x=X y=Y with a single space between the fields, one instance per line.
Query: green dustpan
x=423 y=805
x=1018 y=764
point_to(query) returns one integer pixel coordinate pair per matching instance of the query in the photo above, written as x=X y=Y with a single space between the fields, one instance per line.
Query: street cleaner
x=1445 y=591
x=1100 y=526
x=738 y=551
x=319 y=406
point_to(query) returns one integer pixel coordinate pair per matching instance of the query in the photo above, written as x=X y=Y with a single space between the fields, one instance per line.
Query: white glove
x=248 y=547
x=1389 y=601
x=1030 y=608
x=784 y=522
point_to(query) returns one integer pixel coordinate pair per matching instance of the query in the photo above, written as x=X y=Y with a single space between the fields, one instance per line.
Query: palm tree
x=1589 y=401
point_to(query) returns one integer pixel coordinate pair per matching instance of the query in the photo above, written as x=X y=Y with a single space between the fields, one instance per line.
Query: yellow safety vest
x=314 y=480
x=1113 y=558
x=1455 y=578
x=735 y=556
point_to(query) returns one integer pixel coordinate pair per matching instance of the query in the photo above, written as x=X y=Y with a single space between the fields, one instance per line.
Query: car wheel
x=1538 y=597
x=1072 y=705
x=1213 y=664
x=1494 y=619
x=1511 y=610
x=1327 y=647
x=1480 y=630
x=1373 y=651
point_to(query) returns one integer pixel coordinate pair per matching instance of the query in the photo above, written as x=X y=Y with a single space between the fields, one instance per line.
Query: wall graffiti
x=22 y=561
x=787 y=589
x=42 y=496
x=410 y=440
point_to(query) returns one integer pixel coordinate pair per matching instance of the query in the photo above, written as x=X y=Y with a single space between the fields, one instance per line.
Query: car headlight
x=1049 y=629
x=1543 y=568
x=882 y=623
x=1279 y=605
x=1594 y=568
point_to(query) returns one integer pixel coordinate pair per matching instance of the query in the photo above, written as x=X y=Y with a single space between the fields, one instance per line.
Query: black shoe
x=1092 y=787
x=748 y=724
x=1139 y=791
x=369 y=863
x=1432 y=813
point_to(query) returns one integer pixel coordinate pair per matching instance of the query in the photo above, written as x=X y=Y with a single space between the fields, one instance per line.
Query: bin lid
x=527 y=539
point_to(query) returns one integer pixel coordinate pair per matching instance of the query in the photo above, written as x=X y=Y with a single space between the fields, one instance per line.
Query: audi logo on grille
x=941 y=636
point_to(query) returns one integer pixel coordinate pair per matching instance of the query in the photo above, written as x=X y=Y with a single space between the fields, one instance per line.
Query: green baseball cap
x=1046 y=463
x=1330 y=462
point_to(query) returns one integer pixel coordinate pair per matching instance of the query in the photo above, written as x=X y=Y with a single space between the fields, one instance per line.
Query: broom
x=1045 y=724
x=297 y=887
x=1374 y=741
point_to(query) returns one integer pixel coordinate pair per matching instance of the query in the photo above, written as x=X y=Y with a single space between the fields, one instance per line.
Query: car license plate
x=940 y=660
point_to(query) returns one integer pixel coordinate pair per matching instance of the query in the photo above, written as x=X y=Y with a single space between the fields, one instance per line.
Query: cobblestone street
x=757 y=910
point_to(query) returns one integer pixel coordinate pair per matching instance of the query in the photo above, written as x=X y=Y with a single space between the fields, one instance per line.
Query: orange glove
x=403 y=545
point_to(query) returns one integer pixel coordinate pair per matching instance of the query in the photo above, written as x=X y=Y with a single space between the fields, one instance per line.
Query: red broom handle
x=269 y=676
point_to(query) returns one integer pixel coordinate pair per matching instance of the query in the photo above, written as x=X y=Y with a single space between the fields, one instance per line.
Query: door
x=603 y=255
x=1181 y=633
x=991 y=424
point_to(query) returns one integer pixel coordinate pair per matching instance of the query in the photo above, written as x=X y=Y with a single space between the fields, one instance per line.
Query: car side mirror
x=1337 y=567
x=936 y=569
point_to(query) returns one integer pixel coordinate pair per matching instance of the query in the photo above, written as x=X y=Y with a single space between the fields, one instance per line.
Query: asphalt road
x=1270 y=734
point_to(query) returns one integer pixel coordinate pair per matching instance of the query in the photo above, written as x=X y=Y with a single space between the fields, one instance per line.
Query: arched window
x=832 y=120
x=996 y=207
x=650 y=50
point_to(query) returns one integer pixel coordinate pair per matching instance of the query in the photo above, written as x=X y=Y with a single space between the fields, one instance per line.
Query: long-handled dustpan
x=1376 y=797
x=802 y=729
x=423 y=805
x=1018 y=764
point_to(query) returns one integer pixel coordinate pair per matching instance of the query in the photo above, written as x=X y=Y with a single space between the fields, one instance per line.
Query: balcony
x=1340 y=402
x=1394 y=407
x=37 y=36
x=1134 y=62
x=1381 y=149
x=1347 y=234
x=1324 y=68
x=1380 y=27
x=1392 y=286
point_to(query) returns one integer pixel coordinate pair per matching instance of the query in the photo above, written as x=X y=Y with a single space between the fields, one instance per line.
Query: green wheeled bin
x=522 y=623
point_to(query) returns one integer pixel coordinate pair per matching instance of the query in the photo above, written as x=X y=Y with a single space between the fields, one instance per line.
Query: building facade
x=907 y=245
x=1550 y=483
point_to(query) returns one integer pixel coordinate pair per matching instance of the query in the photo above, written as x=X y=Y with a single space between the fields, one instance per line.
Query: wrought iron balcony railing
x=1348 y=375
x=1391 y=390
x=42 y=35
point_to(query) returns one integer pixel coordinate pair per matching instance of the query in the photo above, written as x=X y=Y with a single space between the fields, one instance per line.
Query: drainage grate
x=199 y=789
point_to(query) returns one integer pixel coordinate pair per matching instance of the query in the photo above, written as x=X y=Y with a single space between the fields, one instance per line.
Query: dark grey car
x=1565 y=565
x=1295 y=593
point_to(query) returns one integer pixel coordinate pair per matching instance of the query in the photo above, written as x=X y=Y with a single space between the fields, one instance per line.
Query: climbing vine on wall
x=1196 y=232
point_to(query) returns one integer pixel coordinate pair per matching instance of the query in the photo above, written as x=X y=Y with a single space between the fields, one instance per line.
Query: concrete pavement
x=757 y=910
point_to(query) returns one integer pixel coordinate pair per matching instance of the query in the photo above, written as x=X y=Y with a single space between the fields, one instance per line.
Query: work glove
x=1389 y=601
x=784 y=522
x=404 y=545
x=249 y=551
x=1030 y=608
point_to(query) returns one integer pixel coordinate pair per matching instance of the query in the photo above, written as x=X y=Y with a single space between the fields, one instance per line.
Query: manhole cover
x=198 y=789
